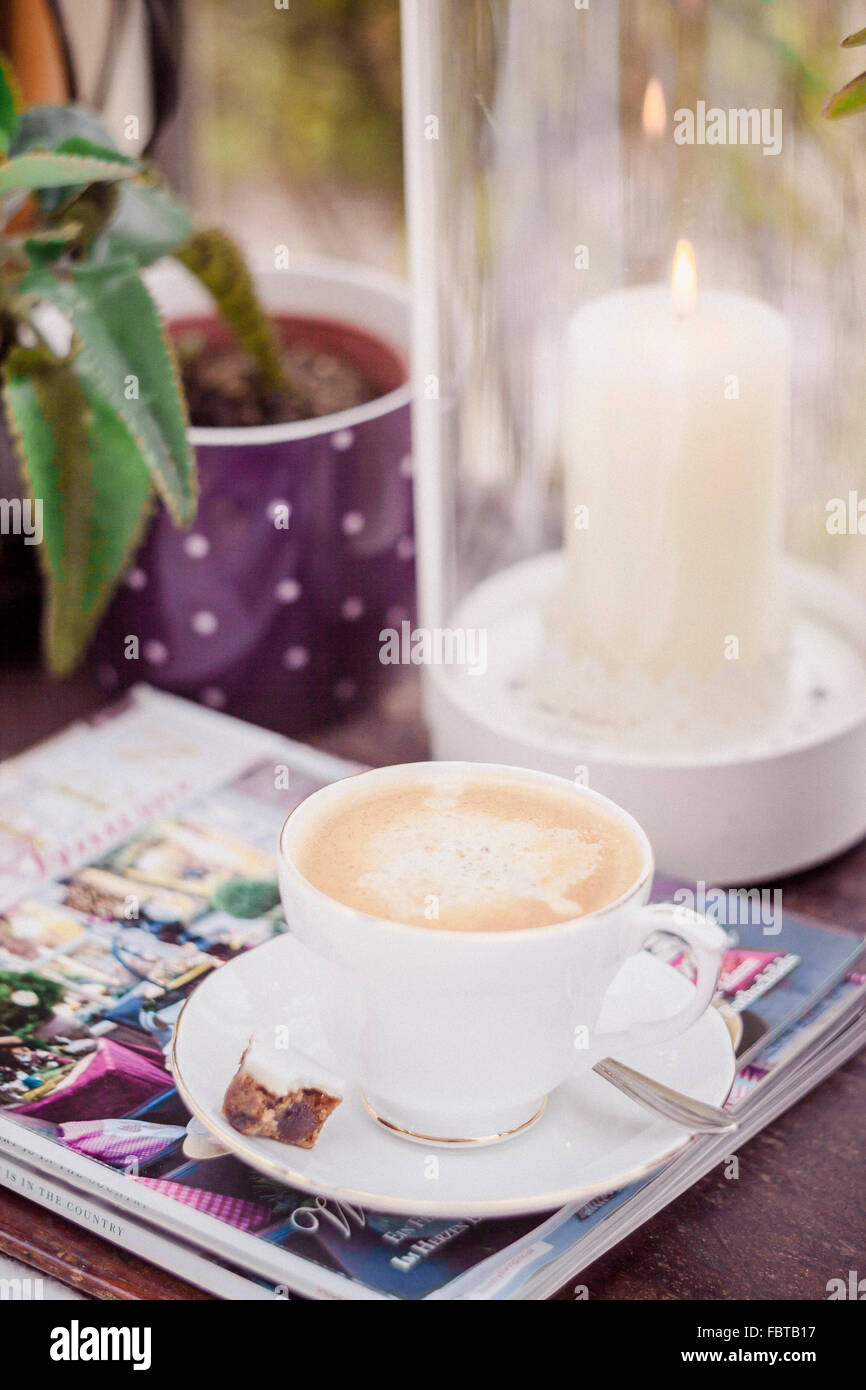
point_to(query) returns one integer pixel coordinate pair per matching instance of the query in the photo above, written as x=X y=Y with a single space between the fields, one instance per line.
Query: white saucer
x=590 y=1139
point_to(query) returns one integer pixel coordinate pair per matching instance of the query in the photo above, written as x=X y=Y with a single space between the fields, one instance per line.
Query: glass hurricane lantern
x=639 y=267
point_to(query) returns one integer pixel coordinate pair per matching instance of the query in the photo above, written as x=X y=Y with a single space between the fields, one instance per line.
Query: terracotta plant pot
x=276 y=623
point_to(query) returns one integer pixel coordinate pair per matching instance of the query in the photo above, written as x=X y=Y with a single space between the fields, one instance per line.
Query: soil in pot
x=329 y=368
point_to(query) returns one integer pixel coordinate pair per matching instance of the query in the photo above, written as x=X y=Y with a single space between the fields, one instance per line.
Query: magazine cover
x=154 y=893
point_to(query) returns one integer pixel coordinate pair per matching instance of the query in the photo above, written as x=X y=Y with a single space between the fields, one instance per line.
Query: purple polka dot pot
x=271 y=605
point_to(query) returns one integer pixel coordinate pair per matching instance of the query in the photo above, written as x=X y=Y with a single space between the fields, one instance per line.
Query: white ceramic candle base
x=764 y=805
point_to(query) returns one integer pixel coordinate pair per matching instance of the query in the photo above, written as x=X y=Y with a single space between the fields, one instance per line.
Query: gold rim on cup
x=434 y=1139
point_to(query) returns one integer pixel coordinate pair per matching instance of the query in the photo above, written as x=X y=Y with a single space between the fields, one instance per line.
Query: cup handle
x=704 y=938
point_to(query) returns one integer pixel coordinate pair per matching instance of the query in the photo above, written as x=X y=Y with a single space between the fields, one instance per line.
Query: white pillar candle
x=674 y=427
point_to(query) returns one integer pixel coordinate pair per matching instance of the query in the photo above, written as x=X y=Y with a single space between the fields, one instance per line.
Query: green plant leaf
x=88 y=149
x=148 y=223
x=45 y=127
x=86 y=215
x=8 y=105
x=219 y=264
x=848 y=100
x=123 y=356
x=43 y=169
x=855 y=40
x=44 y=250
x=86 y=469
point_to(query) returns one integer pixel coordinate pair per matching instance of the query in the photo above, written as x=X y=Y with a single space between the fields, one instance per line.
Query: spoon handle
x=695 y=1115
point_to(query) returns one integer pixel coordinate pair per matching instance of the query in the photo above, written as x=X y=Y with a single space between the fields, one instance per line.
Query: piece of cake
x=281 y=1093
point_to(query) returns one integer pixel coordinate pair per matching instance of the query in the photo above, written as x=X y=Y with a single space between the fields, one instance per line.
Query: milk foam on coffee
x=471 y=854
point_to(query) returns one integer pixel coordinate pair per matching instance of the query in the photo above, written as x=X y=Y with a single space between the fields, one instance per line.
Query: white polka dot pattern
x=196 y=546
x=352 y=608
x=204 y=623
x=288 y=591
x=156 y=653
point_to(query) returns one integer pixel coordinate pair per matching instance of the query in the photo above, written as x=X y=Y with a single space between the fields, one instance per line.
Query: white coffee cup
x=463 y=1035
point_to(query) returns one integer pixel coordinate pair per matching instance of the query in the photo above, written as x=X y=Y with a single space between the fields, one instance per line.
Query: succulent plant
x=91 y=392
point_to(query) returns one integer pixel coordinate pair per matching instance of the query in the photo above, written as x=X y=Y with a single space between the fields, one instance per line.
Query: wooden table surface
x=794 y=1218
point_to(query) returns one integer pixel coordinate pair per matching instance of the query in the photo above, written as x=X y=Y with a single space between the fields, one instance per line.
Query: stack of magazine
x=137 y=855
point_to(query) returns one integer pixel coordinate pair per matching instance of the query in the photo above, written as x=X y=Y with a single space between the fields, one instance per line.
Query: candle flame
x=684 y=277
x=655 y=113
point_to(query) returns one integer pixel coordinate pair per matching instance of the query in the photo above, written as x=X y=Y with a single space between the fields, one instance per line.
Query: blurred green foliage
x=310 y=92
x=852 y=97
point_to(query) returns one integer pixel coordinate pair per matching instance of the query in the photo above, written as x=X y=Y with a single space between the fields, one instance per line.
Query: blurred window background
x=280 y=124
x=292 y=122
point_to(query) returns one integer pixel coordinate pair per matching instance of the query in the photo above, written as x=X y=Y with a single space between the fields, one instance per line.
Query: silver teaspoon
x=694 y=1115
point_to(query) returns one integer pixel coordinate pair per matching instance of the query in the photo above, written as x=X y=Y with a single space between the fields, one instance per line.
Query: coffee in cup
x=468 y=853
